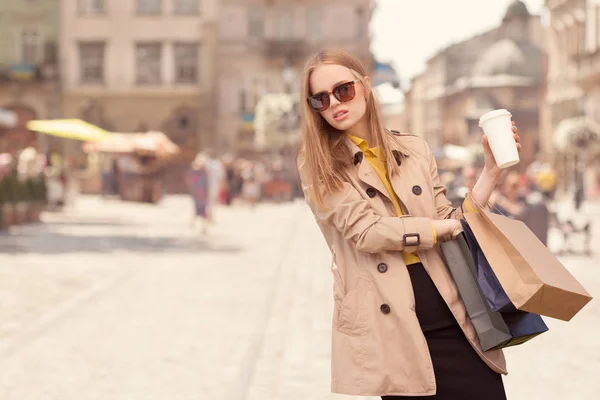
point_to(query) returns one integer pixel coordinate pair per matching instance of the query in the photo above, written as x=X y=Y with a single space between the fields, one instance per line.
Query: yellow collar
x=364 y=146
x=361 y=143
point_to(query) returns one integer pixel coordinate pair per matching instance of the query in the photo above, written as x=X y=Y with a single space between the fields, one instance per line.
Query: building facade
x=263 y=46
x=501 y=68
x=29 y=84
x=131 y=66
x=588 y=62
x=573 y=99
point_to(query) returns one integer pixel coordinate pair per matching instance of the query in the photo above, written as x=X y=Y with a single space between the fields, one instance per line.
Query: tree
x=276 y=120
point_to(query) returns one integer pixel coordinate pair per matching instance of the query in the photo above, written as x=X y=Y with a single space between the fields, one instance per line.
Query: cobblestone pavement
x=112 y=300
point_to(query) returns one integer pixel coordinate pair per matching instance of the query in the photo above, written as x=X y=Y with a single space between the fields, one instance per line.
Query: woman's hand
x=446 y=229
x=490 y=162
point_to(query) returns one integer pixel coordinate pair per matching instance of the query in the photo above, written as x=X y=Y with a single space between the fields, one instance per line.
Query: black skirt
x=459 y=372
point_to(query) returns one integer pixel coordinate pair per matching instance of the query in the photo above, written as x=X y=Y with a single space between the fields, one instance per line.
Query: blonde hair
x=324 y=147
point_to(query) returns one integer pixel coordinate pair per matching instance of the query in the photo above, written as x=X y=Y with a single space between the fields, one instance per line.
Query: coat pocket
x=350 y=316
x=338 y=284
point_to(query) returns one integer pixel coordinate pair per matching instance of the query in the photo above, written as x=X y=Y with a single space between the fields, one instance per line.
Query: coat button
x=358 y=157
x=382 y=268
x=371 y=192
x=417 y=190
x=385 y=309
x=397 y=157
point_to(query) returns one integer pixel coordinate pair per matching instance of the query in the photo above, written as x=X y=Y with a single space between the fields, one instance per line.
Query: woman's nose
x=333 y=101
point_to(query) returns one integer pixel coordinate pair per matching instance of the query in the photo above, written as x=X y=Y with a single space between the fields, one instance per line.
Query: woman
x=198 y=184
x=400 y=329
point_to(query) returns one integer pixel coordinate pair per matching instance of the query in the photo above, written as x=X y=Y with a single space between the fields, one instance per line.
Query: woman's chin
x=342 y=125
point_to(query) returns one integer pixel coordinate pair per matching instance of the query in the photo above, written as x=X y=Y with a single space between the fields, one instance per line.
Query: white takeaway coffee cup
x=497 y=125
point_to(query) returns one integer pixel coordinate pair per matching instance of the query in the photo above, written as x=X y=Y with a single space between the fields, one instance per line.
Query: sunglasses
x=344 y=92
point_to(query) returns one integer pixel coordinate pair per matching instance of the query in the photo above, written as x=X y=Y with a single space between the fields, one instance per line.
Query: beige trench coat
x=378 y=347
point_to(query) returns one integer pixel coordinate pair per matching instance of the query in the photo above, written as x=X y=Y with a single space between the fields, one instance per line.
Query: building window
x=186 y=62
x=256 y=22
x=314 y=23
x=91 y=7
x=596 y=33
x=361 y=24
x=30 y=46
x=149 y=6
x=91 y=62
x=148 y=62
x=243 y=100
x=184 y=7
x=285 y=23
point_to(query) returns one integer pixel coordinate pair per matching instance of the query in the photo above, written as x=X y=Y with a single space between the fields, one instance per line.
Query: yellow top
x=377 y=161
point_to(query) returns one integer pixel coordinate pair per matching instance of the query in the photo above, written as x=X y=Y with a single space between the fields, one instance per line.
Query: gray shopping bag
x=490 y=327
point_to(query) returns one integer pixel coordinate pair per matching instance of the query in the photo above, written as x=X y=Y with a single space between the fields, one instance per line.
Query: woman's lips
x=340 y=115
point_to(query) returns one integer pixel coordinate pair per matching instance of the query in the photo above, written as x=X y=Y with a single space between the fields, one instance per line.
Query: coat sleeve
x=351 y=214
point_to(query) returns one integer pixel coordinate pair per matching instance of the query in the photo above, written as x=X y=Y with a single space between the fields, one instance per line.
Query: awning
x=576 y=132
x=385 y=73
x=150 y=143
x=68 y=128
x=8 y=118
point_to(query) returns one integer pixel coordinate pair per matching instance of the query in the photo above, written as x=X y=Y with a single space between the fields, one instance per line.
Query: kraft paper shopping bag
x=533 y=278
x=494 y=330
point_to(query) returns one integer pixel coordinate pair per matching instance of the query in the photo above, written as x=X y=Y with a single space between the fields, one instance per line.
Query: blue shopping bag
x=495 y=330
x=488 y=282
x=523 y=326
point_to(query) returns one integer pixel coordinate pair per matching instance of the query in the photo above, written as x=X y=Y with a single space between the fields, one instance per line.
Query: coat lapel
x=366 y=173
x=401 y=181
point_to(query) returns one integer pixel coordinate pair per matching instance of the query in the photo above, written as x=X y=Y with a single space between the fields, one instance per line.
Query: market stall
x=133 y=164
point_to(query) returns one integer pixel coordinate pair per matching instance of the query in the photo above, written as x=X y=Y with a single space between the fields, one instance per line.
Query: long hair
x=324 y=148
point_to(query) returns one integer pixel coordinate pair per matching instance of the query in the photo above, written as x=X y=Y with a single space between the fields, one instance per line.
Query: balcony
x=588 y=68
x=44 y=71
x=28 y=73
x=286 y=48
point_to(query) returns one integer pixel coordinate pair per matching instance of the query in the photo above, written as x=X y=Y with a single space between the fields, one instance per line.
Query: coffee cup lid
x=493 y=114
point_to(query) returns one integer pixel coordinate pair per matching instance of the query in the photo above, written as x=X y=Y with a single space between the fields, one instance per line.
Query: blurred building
x=589 y=61
x=263 y=46
x=142 y=65
x=391 y=99
x=29 y=85
x=501 y=68
x=573 y=99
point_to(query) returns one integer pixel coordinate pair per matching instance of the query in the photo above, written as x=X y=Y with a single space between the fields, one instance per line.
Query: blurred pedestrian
x=251 y=185
x=216 y=179
x=198 y=185
x=510 y=201
x=228 y=185
x=543 y=176
x=401 y=330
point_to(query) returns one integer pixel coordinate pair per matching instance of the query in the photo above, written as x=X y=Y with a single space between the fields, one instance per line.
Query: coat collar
x=367 y=174
x=358 y=146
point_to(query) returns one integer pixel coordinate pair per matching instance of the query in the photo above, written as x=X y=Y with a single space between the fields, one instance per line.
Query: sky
x=408 y=32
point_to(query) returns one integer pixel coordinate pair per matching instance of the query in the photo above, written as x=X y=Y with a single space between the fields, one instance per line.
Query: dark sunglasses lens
x=319 y=101
x=344 y=92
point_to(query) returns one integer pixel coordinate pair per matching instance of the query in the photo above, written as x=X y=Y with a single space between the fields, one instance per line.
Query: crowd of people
x=228 y=180
x=526 y=196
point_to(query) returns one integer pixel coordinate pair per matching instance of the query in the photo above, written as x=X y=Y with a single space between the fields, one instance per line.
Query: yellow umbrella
x=68 y=128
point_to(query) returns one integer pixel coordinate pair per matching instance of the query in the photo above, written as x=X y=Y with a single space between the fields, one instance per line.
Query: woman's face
x=341 y=116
